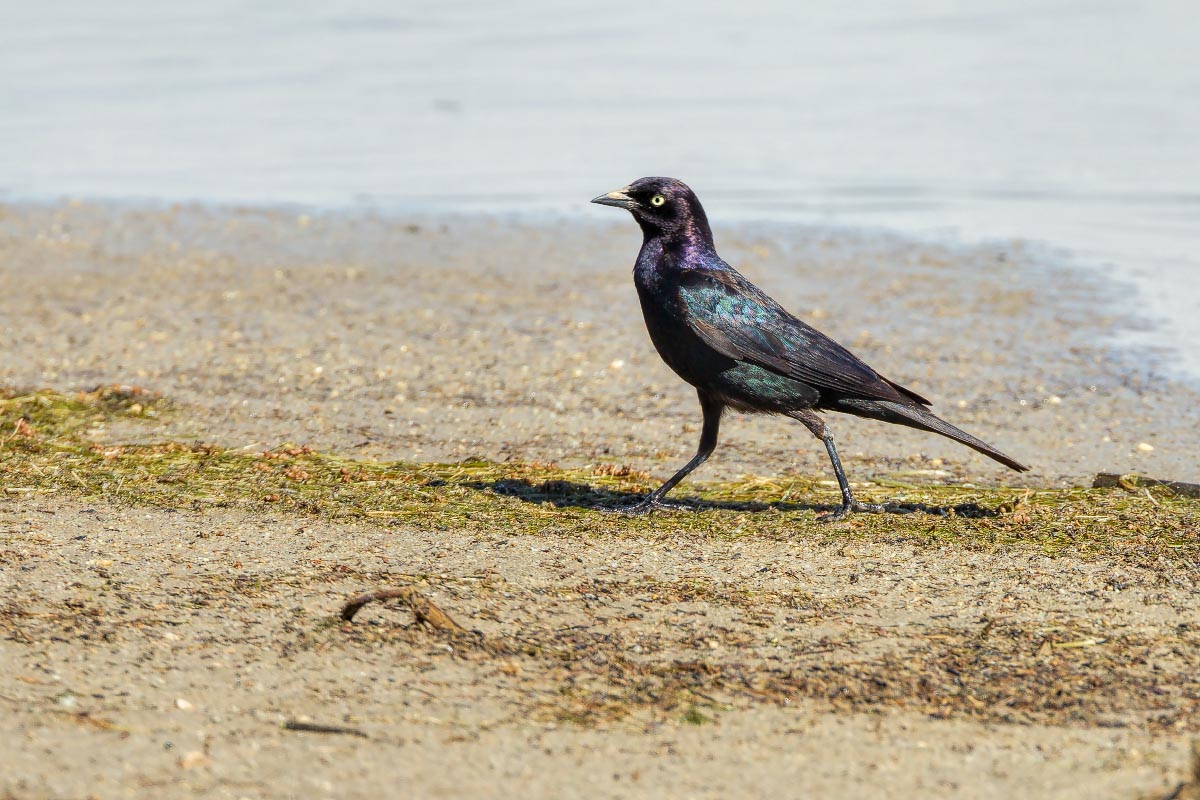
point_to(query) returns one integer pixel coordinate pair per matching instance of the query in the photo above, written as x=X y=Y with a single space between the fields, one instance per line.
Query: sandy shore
x=154 y=652
x=476 y=337
x=160 y=654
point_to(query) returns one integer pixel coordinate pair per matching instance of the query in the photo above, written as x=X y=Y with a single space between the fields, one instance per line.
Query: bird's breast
x=677 y=344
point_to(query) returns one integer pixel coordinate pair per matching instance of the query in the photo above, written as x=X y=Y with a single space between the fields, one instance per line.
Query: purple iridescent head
x=662 y=207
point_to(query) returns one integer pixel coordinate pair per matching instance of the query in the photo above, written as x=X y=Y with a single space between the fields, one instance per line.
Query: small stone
x=1053 y=399
x=183 y=705
x=1145 y=447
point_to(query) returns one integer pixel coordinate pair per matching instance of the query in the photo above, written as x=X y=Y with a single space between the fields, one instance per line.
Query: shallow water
x=1070 y=123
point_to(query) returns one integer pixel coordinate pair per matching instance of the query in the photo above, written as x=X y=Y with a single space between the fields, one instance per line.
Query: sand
x=152 y=653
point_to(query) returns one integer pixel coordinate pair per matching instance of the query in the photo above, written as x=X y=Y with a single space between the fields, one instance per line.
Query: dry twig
x=313 y=727
x=425 y=610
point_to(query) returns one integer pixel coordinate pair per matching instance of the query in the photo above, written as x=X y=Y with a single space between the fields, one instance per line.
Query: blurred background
x=1075 y=124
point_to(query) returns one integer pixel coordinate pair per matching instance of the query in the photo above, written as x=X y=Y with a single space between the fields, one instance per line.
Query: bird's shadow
x=568 y=494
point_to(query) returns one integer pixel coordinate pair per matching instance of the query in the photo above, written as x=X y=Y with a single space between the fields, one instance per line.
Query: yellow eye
x=657 y=200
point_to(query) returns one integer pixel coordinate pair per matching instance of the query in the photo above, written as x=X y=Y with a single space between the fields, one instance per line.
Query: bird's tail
x=916 y=417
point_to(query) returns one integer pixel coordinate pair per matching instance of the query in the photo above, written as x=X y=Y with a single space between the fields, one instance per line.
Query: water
x=1074 y=123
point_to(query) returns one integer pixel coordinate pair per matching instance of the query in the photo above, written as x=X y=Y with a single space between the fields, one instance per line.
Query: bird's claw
x=644 y=506
x=852 y=506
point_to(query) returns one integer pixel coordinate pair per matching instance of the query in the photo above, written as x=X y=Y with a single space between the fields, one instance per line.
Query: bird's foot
x=643 y=506
x=851 y=506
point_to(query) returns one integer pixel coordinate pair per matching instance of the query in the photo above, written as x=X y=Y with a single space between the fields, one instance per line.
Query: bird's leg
x=848 y=502
x=821 y=431
x=712 y=410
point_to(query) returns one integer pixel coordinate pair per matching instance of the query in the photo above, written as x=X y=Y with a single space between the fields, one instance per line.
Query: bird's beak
x=619 y=198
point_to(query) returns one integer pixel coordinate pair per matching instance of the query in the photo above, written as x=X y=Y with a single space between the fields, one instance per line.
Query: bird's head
x=662 y=207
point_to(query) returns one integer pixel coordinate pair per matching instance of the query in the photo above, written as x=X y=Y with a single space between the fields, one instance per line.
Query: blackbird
x=741 y=349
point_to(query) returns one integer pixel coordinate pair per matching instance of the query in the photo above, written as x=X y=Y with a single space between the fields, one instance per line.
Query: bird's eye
x=657 y=200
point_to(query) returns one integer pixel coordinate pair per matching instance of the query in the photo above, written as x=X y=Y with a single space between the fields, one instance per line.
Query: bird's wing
x=737 y=319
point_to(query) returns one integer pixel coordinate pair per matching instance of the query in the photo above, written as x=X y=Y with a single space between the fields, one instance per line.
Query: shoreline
x=1141 y=333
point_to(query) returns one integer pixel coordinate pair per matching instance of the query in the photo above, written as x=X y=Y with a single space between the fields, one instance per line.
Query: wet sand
x=155 y=653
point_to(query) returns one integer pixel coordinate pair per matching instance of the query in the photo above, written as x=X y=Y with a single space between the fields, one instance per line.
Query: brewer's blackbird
x=741 y=349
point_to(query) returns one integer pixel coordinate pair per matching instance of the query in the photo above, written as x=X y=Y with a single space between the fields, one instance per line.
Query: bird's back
x=723 y=334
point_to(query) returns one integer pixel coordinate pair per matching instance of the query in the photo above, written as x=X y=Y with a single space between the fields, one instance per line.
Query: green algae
x=48 y=444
